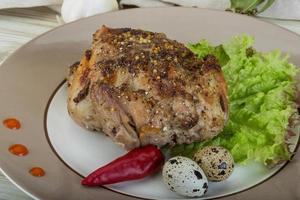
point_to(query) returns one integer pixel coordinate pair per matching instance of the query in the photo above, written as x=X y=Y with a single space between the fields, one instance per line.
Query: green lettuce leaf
x=261 y=90
x=203 y=48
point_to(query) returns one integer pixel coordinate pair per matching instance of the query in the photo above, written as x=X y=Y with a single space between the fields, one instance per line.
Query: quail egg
x=216 y=162
x=184 y=176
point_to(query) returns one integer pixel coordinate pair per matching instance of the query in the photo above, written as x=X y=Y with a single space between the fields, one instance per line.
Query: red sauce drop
x=12 y=123
x=18 y=150
x=37 y=171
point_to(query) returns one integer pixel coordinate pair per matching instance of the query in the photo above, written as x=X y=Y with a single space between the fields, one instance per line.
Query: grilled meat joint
x=139 y=87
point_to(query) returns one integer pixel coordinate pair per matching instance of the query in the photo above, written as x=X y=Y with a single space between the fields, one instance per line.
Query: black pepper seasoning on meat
x=88 y=54
x=73 y=68
x=82 y=93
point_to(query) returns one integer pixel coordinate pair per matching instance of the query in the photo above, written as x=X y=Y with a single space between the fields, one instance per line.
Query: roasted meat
x=139 y=87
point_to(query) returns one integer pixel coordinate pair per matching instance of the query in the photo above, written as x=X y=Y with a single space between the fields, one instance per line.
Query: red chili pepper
x=136 y=164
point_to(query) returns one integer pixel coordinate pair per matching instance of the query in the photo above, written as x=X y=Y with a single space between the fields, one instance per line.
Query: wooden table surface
x=18 y=26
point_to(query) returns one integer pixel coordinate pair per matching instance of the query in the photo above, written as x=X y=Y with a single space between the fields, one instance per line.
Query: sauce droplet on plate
x=12 y=123
x=18 y=150
x=37 y=171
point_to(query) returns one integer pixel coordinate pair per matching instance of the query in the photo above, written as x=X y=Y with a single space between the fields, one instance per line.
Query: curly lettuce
x=261 y=90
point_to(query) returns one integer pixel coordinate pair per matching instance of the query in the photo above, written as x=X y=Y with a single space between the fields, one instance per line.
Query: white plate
x=30 y=77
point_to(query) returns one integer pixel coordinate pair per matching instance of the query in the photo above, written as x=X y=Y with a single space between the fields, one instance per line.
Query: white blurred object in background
x=283 y=9
x=75 y=9
x=213 y=4
x=27 y=3
x=145 y=3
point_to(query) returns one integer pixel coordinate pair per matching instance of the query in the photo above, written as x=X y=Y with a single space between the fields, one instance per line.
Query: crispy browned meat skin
x=139 y=87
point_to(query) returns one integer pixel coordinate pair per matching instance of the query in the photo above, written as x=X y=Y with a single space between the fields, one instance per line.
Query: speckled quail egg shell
x=184 y=176
x=216 y=162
